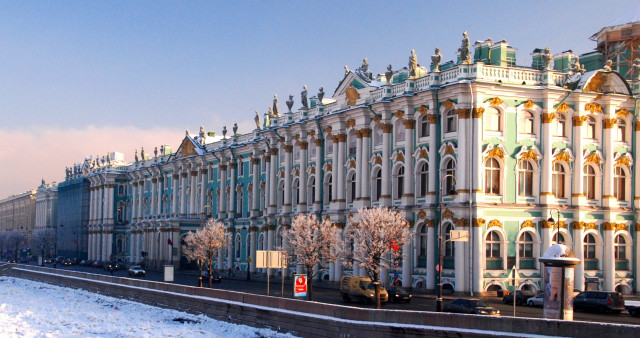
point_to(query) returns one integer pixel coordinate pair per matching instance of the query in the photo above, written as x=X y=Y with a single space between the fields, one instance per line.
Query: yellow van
x=362 y=289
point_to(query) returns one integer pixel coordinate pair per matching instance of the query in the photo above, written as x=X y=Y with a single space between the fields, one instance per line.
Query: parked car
x=633 y=308
x=536 y=301
x=67 y=262
x=398 y=294
x=60 y=259
x=521 y=297
x=472 y=306
x=361 y=288
x=109 y=266
x=601 y=301
x=136 y=270
x=97 y=264
x=217 y=278
x=47 y=261
x=85 y=262
x=120 y=266
x=11 y=260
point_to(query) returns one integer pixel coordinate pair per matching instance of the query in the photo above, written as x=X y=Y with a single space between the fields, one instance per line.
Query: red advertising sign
x=299 y=285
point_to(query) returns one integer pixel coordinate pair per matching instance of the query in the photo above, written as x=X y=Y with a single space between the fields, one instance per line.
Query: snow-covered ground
x=32 y=309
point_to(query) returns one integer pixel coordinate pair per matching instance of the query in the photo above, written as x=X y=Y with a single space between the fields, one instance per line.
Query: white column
x=546 y=193
x=223 y=192
x=273 y=187
x=317 y=204
x=578 y=250
x=547 y=231
x=408 y=195
x=609 y=265
x=433 y=185
x=193 y=194
x=175 y=182
x=255 y=194
x=232 y=190
x=134 y=205
x=183 y=194
x=365 y=168
x=578 y=164
x=407 y=264
x=461 y=268
x=431 y=256
x=385 y=198
x=462 y=185
x=152 y=203
x=267 y=184
x=340 y=182
x=358 y=178
x=286 y=206
x=304 y=164
x=637 y=253
x=140 y=199
x=334 y=171
x=478 y=272
x=203 y=191
x=110 y=203
x=608 y=123
x=252 y=250
x=159 y=210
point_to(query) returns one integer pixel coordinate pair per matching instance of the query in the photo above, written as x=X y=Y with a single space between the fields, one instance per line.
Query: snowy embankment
x=34 y=309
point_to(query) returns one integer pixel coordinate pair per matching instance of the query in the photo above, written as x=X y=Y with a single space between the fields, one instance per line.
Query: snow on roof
x=630 y=16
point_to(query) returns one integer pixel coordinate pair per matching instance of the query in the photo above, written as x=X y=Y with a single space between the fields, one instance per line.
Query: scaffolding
x=621 y=44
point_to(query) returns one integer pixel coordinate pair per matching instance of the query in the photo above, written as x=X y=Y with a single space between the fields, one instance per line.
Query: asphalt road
x=330 y=294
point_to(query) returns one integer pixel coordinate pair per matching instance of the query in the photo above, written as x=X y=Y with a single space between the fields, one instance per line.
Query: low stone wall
x=308 y=319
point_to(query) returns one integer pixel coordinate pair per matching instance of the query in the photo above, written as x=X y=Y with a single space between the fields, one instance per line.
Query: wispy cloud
x=29 y=155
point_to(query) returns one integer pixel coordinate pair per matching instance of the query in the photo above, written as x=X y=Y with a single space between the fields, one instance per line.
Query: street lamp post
x=551 y=221
x=439 y=305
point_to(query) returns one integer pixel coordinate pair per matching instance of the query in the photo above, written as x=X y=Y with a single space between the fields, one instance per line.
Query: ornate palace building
x=521 y=157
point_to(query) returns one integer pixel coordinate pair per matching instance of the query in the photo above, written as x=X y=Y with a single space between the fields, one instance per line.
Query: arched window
x=328 y=146
x=280 y=197
x=377 y=185
x=351 y=186
x=311 y=191
x=560 y=125
x=312 y=149
x=296 y=152
x=422 y=246
x=619 y=183
x=558 y=179
x=492 y=119
x=238 y=245
x=377 y=136
x=451 y=121
x=423 y=179
x=591 y=128
x=295 y=192
x=450 y=173
x=261 y=242
x=424 y=126
x=328 y=193
x=558 y=238
x=399 y=132
x=589 y=182
x=262 y=200
x=526 y=245
x=492 y=177
x=526 y=123
x=449 y=248
x=398 y=182
x=525 y=178
x=352 y=142
x=589 y=247
x=621 y=130
x=240 y=199
x=493 y=252
x=620 y=248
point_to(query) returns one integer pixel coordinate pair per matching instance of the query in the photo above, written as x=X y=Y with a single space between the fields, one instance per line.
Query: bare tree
x=43 y=239
x=13 y=240
x=205 y=243
x=377 y=235
x=313 y=241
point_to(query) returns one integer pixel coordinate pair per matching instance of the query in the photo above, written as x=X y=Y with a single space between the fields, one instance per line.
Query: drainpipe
x=320 y=166
x=437 y=166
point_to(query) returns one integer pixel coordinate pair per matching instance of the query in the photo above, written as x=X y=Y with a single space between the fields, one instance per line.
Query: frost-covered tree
x=44 y=240
x=377 y=235
x=13 y=240
x=205 y=243
x=312 y=241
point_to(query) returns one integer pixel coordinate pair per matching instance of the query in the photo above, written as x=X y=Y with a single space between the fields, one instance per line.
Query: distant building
x=72 y=218
x=482 y=146
x=46 y=205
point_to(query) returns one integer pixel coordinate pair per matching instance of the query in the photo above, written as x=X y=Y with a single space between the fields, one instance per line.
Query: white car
x=536 y=301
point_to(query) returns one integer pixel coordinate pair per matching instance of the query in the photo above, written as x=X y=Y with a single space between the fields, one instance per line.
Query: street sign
x=299 y=285
x=270 y=259
x=514 y=276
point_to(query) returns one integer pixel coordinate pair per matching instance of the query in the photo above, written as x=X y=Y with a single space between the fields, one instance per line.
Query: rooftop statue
x=435 y=60
x=413 y=64
x=161 y=150
x=235 y=129
x=270 y=109
x=136 y=156
x=464 y=49
x=224 y=132
x=575 y=67
x=546 y=58
x=346 y=70
x=202 y=133
x=275 y=105
x=303 y=97
x=142 y=154
x=155 y=152
x=388 y=75
x=363 y=71
x=290 y=102
x=607 y=66
x=108 y=159
x=320 y=94
x=257 y=120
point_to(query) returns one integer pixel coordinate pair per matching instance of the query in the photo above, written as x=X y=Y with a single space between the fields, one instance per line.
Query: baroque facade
x=477 y=145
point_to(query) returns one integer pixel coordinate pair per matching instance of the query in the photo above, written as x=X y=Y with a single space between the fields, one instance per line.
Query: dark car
x=11 y=260
x=398 y=294
x=217 y=278
x=85 y=262
x=97 y=264
x=67 y=262
x=521 y=297
x=108 y=266
x=471 y=306
x=120 y=266
x=601 y=301
x=136 y=270
x=47 y=261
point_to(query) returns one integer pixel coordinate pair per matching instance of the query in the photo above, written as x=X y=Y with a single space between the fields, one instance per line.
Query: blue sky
x=155 y=68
